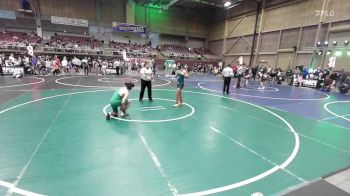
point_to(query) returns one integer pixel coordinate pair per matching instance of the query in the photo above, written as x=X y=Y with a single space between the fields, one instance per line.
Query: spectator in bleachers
x=26 y=64
x=64 y=64
x=1 y=64
x=133 y=50
x=11 y=58
x=85 y=65
x=56 y=65
x=116 y=65
x=104 y=66
x=239 y=75
x=48 y=65
x=18 y=40
x=76 y=63
x=33 y=61
x=75 y=44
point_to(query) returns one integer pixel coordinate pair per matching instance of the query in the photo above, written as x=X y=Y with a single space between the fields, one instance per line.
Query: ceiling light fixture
x=227 y=3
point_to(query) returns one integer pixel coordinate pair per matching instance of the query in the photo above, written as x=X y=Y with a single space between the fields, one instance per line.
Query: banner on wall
x=11 y=70
x=123 y=27
x=331 y=61
x=69 y=21
x=7 y=14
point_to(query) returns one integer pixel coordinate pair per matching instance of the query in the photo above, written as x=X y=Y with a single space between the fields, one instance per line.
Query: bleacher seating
x=206 y=53
x=134 y=50
x=89 y=45
x=74 y=44
x=17 y=40
x=179 y=52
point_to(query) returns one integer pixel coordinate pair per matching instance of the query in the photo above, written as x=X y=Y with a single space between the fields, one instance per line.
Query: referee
x=227 y=73
x=146 y=81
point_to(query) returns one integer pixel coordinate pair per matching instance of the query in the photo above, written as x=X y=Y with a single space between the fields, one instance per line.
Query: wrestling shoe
x=123 y=115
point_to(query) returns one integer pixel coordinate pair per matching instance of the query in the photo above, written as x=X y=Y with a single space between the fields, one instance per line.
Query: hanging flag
x=30 y=50
x=331 y=61
x=240 y=60
x=125 y=57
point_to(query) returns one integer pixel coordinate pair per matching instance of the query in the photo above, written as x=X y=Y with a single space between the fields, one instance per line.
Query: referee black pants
x=86 y=71
x=239 y=76
x=117 y=70
x=145 y=84
x=227 y=82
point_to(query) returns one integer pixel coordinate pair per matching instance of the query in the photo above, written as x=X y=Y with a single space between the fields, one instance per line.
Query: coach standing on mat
x=227 y=73
x=146 y=81
x=239 y=75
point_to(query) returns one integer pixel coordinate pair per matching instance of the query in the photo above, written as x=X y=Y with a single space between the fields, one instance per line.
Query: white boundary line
x=325 y=106
x=334 y=117
x=165 y=77
x=319 y=120
x=218 y=189
x=50 y=97
x=14 y=90
x=262 y=97
x=116 y=81
x=12 y=187
x=157 y=163
x=154 y=109
x=153 y=121
x=41 y=81
x=141 y=108
x=305 y=136
x=86 y=86
x=20 y=176
x=262 y=175
x=272 y=89
x=190 y=80
x=256 y=153
x=18 y=190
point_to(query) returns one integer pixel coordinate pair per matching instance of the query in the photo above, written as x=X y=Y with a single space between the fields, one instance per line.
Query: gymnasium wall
x=216 y=47
x=174 y=21
x=241 y=26
x=242 y=44
x=101 y=14
x=193 y=42
x=234 y=58
x=81 y=9
x=171 y=40
x=10 y=5
x=284 y=27
x=216 y=31
x=19 y=23
x=295 y=15
x=105 y=12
